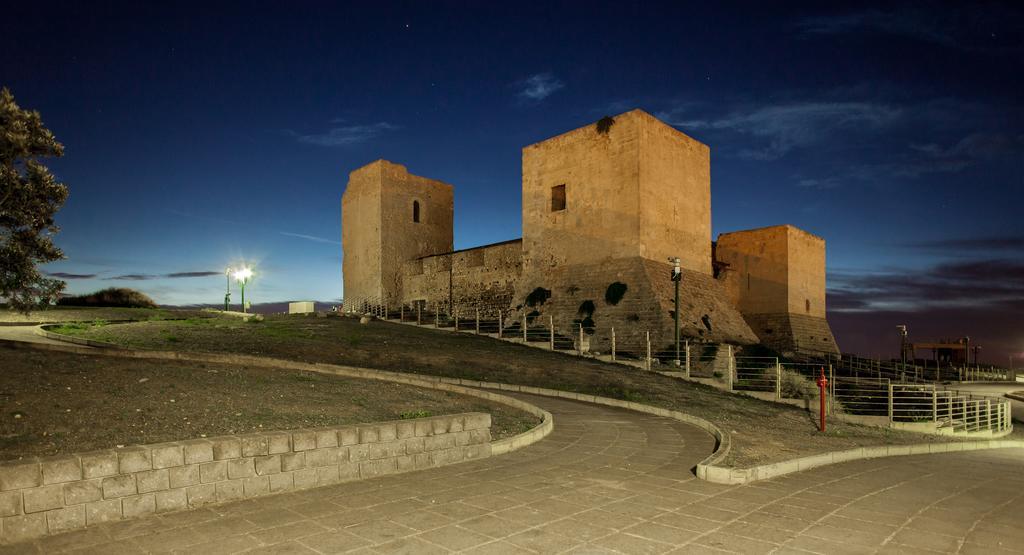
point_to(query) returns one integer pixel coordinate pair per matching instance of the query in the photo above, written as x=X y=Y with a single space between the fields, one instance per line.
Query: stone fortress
x=604 y=208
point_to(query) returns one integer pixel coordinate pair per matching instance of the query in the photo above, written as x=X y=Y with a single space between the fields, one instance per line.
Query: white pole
x=581 y=340
x=732 y=366
x=613 y=343
x=551 y=330
x=687 y=358
x=778 y=380
x=648 y=363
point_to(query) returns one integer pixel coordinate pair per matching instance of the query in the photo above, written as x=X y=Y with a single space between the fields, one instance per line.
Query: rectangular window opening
x=558 y=198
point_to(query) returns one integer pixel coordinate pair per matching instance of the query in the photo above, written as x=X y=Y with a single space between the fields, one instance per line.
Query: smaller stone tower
x=390 y=216
x=776 y=277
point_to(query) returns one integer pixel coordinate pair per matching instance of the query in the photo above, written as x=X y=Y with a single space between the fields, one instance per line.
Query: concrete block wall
x=47 y=496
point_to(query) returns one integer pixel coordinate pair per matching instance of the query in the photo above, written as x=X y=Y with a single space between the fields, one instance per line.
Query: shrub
x=115 y=296
x=795 y=386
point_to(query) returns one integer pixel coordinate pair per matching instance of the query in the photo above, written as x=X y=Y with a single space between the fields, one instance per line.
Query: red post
x=822 y=384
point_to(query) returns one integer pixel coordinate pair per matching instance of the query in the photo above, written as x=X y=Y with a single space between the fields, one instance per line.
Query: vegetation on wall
x=584 y=317
x=615 y=292
x=538 y=297
x=604 y=124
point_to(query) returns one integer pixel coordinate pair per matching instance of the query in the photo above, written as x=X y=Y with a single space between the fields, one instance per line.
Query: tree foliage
x=29 y=198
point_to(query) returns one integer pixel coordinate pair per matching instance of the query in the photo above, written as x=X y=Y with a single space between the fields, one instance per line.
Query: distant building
x=301 y=307
x=604 y=207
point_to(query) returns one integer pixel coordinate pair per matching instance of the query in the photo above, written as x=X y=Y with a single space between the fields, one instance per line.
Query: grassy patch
x=86 y=402
x=762 y=431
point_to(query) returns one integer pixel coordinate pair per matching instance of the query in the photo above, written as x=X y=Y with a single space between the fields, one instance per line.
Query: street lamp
x=242 y=276
x=227 y=293
x=677 y=276
x=903 y=343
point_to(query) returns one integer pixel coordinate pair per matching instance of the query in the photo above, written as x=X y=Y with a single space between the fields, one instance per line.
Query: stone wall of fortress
x=482 y=277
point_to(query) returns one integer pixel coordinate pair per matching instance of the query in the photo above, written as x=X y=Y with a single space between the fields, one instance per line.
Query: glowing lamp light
x=243 y=274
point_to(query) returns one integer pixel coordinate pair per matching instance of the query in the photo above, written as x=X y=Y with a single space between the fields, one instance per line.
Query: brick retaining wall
x=47 y=496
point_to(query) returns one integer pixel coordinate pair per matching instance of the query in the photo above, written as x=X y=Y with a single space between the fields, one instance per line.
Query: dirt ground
x=761 y=431
x=56 y=403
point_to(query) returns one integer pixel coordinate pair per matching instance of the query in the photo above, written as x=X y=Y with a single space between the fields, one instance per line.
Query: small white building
x=301 y=307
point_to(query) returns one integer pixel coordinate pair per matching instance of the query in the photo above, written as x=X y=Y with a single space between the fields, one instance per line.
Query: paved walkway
x=27 y=334
x=608 y=481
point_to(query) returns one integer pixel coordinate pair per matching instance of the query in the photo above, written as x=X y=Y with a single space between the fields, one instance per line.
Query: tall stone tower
x=390 y=216
x=627 y=186
x=604 y=207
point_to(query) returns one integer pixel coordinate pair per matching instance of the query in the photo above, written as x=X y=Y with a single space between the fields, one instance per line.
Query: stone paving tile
x=455 y=538
x=409 y=546
x=606 y=481
x=494 y=527
x=736 y=543
x=576 y=530
x=380 y=531
x=627 y=543
x=286 y=548
x=221 y=546
x=662 y=533
x=287 y=532
x=120 y=547
x=927 y=540
x=495 y=548
x=819 y=545
x=540 y=541
x=422 y=520
x=334 y=541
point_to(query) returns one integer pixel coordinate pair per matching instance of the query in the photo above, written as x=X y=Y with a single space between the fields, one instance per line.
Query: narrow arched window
x=416 y=211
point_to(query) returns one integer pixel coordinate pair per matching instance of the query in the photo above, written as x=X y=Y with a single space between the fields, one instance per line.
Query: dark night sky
x=199 y=134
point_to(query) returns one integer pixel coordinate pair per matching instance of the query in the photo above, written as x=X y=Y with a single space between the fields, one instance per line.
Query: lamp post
x=677 y=276
x=242 y=276
x=227 y=293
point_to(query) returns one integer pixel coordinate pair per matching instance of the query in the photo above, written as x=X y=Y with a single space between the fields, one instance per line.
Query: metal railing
x=898 y=394
x=902 y=403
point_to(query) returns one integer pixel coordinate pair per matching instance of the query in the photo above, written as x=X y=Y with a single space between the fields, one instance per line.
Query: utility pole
x=677 y=276
x=227 y=293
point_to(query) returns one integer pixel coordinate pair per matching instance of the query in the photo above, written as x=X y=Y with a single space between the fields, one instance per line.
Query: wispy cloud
x=192 y=274
x=970 y=283
x=966 y=152
x=907 y=23
x=973 y=244
x=781 y=128
x=310 y=238
x=65 y=275
x=822 y=184
x=951 y=26
x=345 y=135
x=919 y=160
x=173 y=275
x=132 y=277
x=539 y=86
